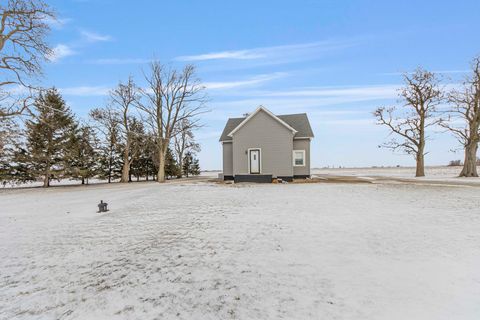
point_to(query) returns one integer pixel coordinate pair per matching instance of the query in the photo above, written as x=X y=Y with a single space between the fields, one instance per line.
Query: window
x=298 y=158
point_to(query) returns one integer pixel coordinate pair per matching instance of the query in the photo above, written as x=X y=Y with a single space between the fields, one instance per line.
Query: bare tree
x=107 y=122
x=171 y=97
x=12 y=104
x=464 y=118
x=184 y=140
x=23 y=47
x=123 y=98
x=409 y=123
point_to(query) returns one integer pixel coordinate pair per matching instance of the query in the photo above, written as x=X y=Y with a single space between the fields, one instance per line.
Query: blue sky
x=335 y=60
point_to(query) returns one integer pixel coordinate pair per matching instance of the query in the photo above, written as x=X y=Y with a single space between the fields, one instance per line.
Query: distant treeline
x=53 y=144
x=459 y=163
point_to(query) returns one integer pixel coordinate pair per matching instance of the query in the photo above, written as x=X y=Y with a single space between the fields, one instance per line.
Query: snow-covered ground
x=199 y=250
x=438 y=174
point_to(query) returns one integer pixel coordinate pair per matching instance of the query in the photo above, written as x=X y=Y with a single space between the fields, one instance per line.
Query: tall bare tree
x=464 y=118
x=420 y=96
x=184 y=140
x=23 y=47
x=171 y=97
x=123 y=98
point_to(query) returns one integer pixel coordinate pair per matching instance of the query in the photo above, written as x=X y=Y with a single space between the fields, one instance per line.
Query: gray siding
x=227 y=159
x=275 y=140
x=302 y=144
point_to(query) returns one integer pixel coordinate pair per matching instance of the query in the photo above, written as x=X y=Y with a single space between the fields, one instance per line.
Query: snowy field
x=434 y=172
x=200 y=250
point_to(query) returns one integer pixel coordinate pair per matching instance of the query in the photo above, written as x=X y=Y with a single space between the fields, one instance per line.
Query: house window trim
x=259 y=160
x=303 y=157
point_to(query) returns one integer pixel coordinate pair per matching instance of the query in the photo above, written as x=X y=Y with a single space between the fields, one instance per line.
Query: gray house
x=262 y=146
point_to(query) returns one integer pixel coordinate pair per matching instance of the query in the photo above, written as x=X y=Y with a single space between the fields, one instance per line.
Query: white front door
x=255 y=161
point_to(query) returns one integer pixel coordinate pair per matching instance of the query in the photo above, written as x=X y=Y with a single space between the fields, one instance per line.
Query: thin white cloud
x=61 y=51
x=112 y=61
x=276 y=54
x=94 y=37
x=288 y=105
x=243 y=83
x=360 y=92
x=85 y=91
x=240 y=54
x=312 y=98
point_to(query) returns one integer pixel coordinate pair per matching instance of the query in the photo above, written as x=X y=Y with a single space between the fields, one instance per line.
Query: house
x=263 y=146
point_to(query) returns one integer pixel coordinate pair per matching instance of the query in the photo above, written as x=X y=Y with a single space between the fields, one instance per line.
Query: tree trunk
x=420 y=171
x=109 y=170
x=110 y=164
x=83 y=180
x=46 y=180
x=125 y=172
x=180 y=165
x=470 y=163
x=161 y=165
x=126 y=163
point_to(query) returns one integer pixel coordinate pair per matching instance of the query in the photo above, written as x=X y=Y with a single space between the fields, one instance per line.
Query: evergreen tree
x=48 y=135
x=144 y=165
x=171 y=167
x=187 y=162
x=136 y=168
x=82 y=154
x=20 y=169
x=137 y=147
x=149 y=164
x=9 y=143
x=110 y=162
x=191 y=166
x=195 y=167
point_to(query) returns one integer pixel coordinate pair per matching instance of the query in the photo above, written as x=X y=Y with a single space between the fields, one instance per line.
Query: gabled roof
x=298 y=122
x=261 y=108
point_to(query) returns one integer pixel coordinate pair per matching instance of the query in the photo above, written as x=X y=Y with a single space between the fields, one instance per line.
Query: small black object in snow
x=102 y=206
